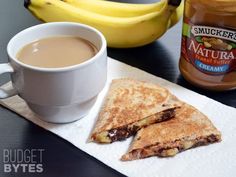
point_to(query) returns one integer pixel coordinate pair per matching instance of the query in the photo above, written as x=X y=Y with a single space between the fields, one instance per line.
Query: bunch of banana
x=116 y=9
x=124 y=25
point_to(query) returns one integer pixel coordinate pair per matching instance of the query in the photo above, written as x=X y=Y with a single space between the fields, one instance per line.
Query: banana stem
x=26 y=3
x=174 y=2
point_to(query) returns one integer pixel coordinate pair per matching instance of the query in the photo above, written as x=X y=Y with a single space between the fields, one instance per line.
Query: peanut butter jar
x=208 y=50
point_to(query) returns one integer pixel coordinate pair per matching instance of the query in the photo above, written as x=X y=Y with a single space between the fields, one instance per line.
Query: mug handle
x=8 y=92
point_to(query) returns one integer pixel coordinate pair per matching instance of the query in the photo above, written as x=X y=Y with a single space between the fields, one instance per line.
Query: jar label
x=211 y=50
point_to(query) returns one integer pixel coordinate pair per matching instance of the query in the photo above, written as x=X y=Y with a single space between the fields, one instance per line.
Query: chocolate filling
x=168 y=114
x=158 y=151
x=124 y=132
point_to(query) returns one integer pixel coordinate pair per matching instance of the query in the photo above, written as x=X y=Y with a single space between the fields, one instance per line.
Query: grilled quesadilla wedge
x=190 y=128
x=131 y=105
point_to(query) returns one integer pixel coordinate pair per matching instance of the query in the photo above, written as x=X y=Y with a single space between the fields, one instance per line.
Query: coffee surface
x=57 y=52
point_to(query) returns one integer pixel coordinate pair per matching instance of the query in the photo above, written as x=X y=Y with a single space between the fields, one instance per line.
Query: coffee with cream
x=57 y=52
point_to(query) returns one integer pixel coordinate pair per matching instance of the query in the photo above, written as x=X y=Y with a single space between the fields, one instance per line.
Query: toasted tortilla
x=190 y=128
x=131 y=105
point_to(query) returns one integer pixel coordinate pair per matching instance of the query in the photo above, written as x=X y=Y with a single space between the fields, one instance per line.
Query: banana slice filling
x=171 y=149
x=124 y=132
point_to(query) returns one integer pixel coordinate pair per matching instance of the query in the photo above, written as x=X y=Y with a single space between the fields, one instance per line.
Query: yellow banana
x=119 y=32
x=116 y=9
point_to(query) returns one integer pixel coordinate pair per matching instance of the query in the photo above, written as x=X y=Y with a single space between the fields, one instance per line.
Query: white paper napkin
x=217 y=160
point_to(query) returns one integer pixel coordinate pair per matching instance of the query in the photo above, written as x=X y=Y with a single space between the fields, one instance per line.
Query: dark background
x=61 y=159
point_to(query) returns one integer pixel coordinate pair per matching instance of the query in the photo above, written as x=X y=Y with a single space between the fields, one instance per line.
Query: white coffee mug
x=57 y=95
